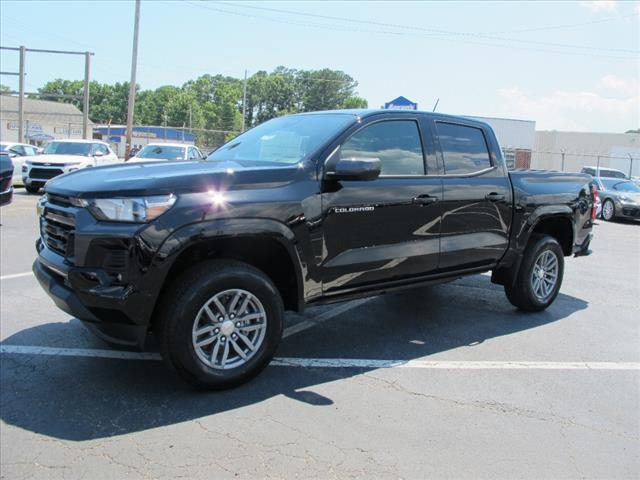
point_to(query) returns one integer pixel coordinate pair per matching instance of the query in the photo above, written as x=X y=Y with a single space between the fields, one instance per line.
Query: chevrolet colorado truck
x=303 y=209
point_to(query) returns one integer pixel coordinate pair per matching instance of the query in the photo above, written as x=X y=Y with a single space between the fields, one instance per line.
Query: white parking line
x=16 y=275
x=338 y=362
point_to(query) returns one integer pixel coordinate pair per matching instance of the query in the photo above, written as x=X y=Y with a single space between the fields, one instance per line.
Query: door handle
x=425 y=199
x=494 y=197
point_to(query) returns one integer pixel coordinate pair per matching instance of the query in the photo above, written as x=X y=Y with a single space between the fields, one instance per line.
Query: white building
x=614 y=150
x=43 y=120
x=516 y=138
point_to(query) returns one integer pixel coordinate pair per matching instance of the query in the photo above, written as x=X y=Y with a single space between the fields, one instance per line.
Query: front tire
x=608 y=210
x=33 y=188
x=220 y=323
x=540 y=276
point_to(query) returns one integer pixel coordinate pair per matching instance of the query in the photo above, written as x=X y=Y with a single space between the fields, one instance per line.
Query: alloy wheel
x=229 y=329
x=544 y=275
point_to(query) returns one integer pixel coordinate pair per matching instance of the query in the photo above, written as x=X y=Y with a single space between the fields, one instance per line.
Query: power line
x=430 y=30
x=412 y=34
x=557 y=27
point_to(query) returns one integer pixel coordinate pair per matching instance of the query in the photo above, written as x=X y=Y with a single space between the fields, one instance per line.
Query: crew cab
x=300 y=210
x=64 y=156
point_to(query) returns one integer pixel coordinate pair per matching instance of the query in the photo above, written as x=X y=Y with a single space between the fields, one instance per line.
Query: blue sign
x=401 y=103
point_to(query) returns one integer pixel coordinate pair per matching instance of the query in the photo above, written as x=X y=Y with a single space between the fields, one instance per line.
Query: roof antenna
x=436 y=105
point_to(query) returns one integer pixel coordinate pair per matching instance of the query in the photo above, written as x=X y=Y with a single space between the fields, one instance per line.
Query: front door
x=388 y=228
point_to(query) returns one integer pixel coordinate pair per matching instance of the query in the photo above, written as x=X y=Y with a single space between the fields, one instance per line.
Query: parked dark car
x=620 y=198
x=6 y=178
x=301 y=210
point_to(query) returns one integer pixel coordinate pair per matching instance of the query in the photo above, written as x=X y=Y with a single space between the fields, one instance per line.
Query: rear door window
x=464 y=148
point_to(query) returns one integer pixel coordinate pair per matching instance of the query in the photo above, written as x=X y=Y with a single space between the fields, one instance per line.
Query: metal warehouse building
x=516 y=137
x=570 y=151
x=43 y=120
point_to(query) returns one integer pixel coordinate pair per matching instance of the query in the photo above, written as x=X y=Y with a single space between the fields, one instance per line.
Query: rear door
x=385 y=229
x=477 y=198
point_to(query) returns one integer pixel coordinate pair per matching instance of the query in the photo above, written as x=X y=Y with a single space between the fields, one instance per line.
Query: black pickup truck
x=303 y=209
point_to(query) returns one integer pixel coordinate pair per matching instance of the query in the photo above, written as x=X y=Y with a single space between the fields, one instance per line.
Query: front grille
x=631 y=212
x=57 y=230
x=58 y=200
x=44 y=173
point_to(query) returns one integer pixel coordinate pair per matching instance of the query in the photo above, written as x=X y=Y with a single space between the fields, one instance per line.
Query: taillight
x=594 y=195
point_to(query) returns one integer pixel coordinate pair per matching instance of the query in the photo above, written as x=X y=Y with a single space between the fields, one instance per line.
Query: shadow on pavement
x=75 y=398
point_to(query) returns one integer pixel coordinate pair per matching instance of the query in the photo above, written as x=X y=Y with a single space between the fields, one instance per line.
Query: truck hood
x=57 y=159
x=164 y=177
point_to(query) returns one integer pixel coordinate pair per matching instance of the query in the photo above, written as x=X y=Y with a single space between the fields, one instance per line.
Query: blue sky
x=503 y=59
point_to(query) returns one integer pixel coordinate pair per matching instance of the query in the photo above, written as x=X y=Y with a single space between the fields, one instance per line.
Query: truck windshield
x=67 y=148
x=285 y=140
x=162 y=152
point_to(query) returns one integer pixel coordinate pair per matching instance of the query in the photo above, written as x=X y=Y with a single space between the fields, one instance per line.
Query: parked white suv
x=64 y=156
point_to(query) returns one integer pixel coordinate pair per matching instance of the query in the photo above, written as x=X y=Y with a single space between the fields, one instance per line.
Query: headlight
x=135 y=210
x=625 y=198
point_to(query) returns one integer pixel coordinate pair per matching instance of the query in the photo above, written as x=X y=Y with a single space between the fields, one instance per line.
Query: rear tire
x=201 y=300
x=608 y=210
x=540 y=276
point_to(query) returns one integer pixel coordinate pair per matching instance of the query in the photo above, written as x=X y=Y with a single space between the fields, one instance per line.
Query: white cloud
x=576 y=110
x=620 y=85
x=600 y=5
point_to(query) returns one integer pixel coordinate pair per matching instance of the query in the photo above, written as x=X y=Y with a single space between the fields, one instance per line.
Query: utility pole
x=630 y=165
x=562 y=161
x=23 y=51
x=244 y=101
x=132 y=84
x=189 y=117
x=85 y=108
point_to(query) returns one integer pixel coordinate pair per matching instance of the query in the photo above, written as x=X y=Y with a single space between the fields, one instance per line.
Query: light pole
x=132 y=83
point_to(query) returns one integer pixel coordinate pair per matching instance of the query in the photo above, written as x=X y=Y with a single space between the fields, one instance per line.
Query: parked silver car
x=620 y=198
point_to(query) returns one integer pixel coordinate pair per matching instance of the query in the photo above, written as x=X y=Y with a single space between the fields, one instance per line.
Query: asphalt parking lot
x=442 y=382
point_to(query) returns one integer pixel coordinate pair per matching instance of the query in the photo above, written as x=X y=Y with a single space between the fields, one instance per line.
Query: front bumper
x=628 y=210
x=116 y=314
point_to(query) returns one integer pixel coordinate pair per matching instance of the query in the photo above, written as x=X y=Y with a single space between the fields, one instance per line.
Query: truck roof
x=367 y=112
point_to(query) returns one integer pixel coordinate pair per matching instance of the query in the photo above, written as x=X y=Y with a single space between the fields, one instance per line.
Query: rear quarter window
x=464 y=148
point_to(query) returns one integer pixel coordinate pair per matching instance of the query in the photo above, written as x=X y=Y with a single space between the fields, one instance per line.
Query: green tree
x=214 y=102
x=325 y=89
x=355 y=102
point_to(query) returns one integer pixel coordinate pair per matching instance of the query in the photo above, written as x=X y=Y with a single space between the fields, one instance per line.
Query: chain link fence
x=572 y=161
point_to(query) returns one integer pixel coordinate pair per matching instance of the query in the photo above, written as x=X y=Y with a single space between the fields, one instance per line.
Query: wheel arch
x=559 y=227
x=265 y=244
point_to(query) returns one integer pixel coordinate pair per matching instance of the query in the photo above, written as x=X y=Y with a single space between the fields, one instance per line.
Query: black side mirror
x=354 y=169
